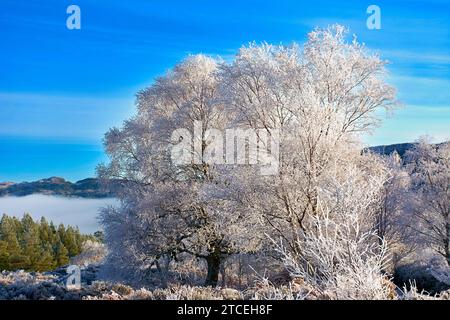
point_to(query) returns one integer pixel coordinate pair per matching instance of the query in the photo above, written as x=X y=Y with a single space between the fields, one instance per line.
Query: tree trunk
x=212 y=277
x=223 y=274
x=447 y=242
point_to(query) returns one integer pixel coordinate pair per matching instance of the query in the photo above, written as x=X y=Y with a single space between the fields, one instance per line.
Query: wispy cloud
x=61 y=115
x=416 y=90
x=414 y=56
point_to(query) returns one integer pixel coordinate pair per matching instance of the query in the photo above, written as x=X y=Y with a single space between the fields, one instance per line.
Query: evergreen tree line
x=37 y=246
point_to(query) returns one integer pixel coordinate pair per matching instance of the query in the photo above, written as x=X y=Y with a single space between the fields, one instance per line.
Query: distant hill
x=401 y=148
x=87 y=188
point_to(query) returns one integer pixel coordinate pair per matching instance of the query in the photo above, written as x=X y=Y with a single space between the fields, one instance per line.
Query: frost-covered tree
x=311 y=101
x=321 y=97
x=169 y=209
x=392 y=218
x=92 y=252
x=341 y=255
x=429 y=166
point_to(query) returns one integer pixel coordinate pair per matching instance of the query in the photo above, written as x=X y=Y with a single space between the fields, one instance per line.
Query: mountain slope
x=87 y=188
x=401 y=148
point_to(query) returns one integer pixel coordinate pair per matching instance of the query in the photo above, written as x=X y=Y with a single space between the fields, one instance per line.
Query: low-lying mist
x=70 y=211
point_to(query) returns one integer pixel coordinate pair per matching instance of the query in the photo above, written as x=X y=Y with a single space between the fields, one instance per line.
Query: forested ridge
x=37 y=245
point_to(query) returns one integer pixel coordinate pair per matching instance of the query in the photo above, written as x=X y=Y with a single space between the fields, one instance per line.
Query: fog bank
x=70 y=211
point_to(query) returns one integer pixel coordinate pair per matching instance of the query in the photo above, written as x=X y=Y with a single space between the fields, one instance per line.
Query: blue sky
x=61 y=89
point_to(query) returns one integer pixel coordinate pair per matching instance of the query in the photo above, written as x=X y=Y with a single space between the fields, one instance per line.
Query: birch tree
x=429 y=166
x=392 y=217
x=314 y=100
x=341 y=255
x=173 y=209
x=321 y=97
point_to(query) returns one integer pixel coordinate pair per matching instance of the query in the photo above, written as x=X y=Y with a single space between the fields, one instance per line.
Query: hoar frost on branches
x=429 y=167
x=320 y=97
x=341 y=255
x=172 y=210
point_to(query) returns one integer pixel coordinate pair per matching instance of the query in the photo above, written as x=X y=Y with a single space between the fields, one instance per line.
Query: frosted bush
x=92 y=252
x=342 y=254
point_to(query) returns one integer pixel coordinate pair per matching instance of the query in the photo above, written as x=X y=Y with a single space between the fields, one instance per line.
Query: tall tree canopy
x=312 y=101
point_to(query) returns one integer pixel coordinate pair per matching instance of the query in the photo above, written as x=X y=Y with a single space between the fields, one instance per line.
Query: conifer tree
x=4 y=255
x=8 y=233
x=61 y=254
x=46 y=259
x=31 y=243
